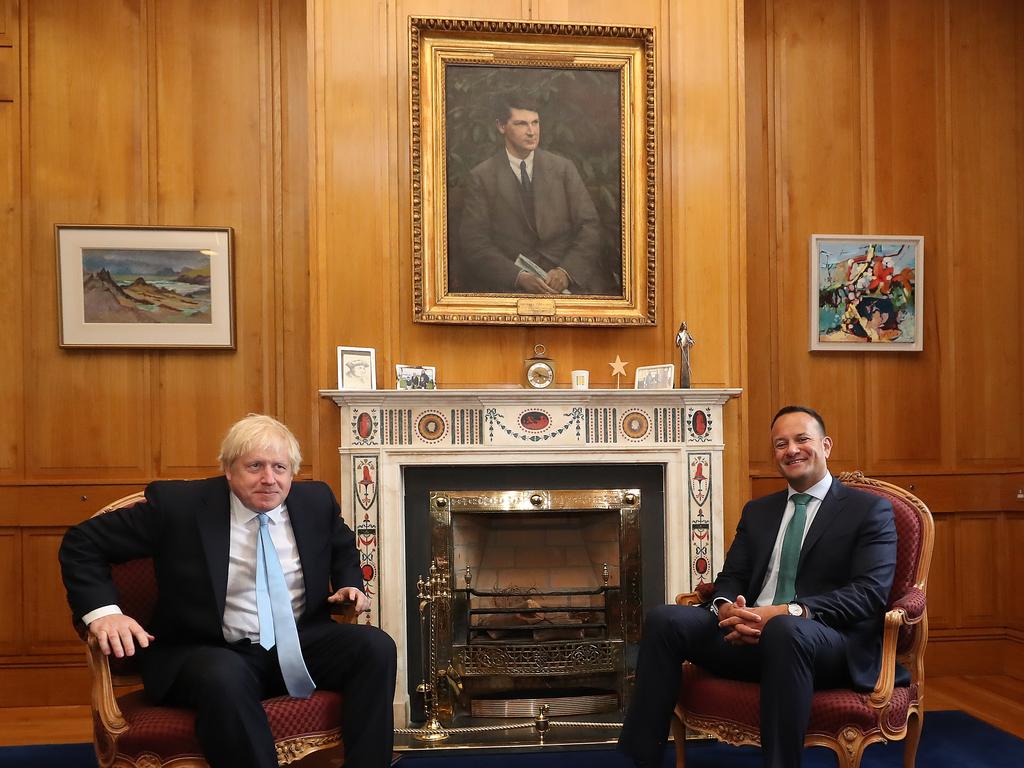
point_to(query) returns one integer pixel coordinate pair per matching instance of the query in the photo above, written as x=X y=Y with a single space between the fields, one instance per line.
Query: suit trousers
x=793 y=657
x=226 y=684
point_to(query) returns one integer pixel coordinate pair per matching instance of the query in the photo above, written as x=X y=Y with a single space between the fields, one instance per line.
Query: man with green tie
x=798 y=605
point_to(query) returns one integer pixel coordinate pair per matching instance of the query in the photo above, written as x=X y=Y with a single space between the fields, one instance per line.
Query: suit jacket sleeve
x=89 y=548
x=581 y=259
x=872 y=567
x=345 y=570
x=735 y=576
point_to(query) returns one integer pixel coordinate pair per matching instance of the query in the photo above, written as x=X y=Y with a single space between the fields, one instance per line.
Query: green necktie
x=785 y=589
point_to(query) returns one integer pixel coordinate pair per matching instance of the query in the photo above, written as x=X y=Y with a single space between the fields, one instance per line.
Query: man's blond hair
x=255 y=432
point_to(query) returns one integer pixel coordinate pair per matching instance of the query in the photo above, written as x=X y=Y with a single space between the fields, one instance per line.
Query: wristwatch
x=795 y=609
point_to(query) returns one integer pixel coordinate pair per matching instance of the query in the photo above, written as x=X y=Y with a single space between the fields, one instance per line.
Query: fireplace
x=542 y=600
x=398 y=446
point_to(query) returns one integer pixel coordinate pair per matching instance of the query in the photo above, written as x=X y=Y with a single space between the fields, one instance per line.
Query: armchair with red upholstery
x=844 y=720
x=129 y=732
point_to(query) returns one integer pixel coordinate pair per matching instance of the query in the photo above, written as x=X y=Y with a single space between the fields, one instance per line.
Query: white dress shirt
x=515 y=162
x=240 y=620
x=771 y=579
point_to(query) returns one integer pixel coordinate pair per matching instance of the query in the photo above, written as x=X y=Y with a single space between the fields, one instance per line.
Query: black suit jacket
x=845 y=571
x=184 y=525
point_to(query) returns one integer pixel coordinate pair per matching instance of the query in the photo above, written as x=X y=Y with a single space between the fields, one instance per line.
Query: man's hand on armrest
x=351 y=595
x=117 y=634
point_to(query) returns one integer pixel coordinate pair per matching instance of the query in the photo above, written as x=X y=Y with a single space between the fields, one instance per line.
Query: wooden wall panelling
x=762 y=339
x=47 y=618
x=904 y=107
x=8 y=22
x=818 y=122
x=1013 y=575
x=85 y=409
x=11 y=376
x=11 y=623
x=296 y=383
x=986 y=124
x=978 y=544
x=944 y=575
x=214 y=169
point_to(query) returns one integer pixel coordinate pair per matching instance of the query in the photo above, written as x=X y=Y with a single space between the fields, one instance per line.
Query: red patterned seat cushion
x=170 y=732
x=732 y=701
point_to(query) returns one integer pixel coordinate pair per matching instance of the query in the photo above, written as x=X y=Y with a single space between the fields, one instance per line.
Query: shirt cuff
x=99 y=613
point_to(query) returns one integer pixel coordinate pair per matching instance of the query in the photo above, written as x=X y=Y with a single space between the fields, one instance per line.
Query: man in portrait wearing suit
x=247 y=565
x=799 y=603
x=528 y=224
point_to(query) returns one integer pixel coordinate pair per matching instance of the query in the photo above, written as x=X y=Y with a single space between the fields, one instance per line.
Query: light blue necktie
x=274 y=610
x=785 y=589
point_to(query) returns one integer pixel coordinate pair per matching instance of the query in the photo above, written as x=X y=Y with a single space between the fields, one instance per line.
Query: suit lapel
x=830 y=507
x=214 y=521
x=306 y=538
x=772 y=520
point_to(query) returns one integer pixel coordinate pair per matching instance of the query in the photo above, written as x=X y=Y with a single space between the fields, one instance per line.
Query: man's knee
x=380 y=649
x=786 y=635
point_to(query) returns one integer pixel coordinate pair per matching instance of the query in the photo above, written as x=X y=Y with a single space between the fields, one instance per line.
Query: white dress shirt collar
x=516 y=161
x=818 y=491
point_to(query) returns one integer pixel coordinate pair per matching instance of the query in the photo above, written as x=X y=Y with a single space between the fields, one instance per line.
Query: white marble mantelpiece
x=384 y=431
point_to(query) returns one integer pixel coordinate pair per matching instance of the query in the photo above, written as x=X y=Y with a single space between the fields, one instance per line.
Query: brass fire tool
x=435 y=602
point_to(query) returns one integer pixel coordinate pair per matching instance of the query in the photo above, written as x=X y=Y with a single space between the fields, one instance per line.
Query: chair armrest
x=701 y=594
x=344 y=611
x=912 y=604
x=104 y=702
x=896 y=618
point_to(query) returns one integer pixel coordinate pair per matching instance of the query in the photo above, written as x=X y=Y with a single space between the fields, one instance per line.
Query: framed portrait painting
x=866 y=293
x=533 y=172
x=145 y=287
x=357 y=368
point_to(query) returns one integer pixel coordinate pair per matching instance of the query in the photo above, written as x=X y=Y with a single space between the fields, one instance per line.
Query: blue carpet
x=950 y=739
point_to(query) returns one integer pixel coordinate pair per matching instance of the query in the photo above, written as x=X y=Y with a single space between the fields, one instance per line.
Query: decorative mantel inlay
x=384 y=431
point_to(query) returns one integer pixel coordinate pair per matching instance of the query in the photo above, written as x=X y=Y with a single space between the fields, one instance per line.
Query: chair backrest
x=915 y=532
x=135 y=581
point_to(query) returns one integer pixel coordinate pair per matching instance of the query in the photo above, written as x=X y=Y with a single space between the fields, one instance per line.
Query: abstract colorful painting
x=866 y=293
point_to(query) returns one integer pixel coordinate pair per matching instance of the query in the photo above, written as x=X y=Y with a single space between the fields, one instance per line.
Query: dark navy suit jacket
x=845 y=572
x=184 y=525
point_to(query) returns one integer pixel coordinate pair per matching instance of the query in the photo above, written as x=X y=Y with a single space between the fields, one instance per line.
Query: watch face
x=540 y=375
x=795 y=609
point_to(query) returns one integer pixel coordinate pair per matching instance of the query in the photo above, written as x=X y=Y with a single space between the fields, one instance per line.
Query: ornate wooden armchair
x=129 y=732
x=846 y=721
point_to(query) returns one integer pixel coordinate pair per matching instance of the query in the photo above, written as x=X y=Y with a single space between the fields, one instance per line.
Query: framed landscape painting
x=866 y=293
x=145 y=287
x=534 y=170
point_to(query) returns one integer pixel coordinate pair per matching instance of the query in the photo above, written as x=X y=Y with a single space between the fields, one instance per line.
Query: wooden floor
x=998 y=700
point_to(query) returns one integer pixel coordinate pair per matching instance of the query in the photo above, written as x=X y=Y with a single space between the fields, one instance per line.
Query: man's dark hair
x=505 y=104
x=801 y=409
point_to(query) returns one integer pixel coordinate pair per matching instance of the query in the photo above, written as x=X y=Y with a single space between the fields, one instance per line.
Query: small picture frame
x=357 y=368
x=866 y=293
x=416 y=377
x=655 y=376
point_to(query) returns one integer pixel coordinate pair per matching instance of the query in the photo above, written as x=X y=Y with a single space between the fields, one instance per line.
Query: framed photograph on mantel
x=867 y=293
x=145 y=287
x=533 y=172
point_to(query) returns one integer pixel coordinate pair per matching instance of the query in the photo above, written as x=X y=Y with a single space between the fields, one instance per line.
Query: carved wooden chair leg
x=915 y=721
x=679 y=734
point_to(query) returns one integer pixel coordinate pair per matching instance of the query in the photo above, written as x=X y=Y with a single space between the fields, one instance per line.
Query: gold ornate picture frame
x=573 y=108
